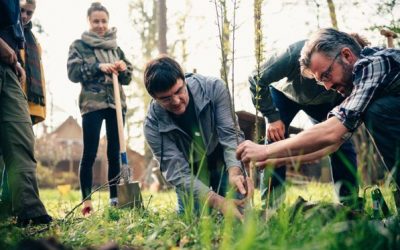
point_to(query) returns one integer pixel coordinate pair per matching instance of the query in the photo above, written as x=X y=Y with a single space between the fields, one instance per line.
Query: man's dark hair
x=161 y=74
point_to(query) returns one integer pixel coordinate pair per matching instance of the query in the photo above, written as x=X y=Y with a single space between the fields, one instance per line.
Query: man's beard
x=347 y=78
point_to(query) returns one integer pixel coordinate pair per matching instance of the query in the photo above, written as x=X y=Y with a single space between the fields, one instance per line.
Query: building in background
x=61 y=150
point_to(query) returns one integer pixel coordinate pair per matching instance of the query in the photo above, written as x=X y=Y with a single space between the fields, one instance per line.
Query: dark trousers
x=382 y=120
x=218 y=181
x=17 y=146
x=343 y=161
x=5 y=189
x=91 y=125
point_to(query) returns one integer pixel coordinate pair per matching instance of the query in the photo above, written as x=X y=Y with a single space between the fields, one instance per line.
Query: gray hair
x=329 y=42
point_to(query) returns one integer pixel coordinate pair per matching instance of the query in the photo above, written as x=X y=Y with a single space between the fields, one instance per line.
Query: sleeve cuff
x=97 y=67
x=350 y=119
x=202 y=190
x=273 y=117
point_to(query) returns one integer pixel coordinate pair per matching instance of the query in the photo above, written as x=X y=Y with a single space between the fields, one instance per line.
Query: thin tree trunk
x=332 y=14
x=162 y=27
x=258 y=51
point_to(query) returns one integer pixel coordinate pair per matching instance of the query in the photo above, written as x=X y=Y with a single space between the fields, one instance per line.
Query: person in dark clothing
x=16 y=134
x=368 y=78
x=34 y=85
x=279 y=101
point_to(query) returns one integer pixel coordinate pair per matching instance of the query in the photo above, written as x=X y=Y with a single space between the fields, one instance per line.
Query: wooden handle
x=118 y=109
x=390 y=35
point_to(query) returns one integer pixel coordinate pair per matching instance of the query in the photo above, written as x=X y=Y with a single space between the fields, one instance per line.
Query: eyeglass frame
x=166 y=100
x=327 y=74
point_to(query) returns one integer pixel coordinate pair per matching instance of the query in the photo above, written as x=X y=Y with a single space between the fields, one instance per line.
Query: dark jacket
x=296 y=87
x=96 y=93
x=10 y=25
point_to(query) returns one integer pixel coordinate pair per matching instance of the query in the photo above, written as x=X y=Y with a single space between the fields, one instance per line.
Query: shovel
x=129 y=194
x=390 y=35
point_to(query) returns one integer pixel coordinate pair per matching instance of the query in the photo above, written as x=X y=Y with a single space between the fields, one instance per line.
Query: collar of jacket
x=196 y=84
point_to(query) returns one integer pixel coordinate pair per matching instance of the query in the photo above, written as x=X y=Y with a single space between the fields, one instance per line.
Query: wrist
x=214 y=199
x=235 y=170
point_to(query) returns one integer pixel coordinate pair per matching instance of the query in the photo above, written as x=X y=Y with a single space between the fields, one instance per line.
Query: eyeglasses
x=326 y=75
x=165 y=100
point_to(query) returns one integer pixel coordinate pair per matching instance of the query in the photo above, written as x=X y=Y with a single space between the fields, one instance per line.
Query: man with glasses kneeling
x=368 y=78
x=191 y=132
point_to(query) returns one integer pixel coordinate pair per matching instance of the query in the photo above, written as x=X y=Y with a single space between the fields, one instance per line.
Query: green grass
x=158 y=226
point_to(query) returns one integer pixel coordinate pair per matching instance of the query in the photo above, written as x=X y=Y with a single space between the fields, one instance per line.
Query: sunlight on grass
x=158 y=226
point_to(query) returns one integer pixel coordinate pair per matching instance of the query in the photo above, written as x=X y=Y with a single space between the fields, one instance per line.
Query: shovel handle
x=390 y=35
x=118 y=109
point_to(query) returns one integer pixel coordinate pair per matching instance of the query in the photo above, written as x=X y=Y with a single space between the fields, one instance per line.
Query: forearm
x=230 y=157
x=235 y=170
x=214 y=200
x=173 y=165
x=301 y=159
x=177 y=172
x=323 y=135
x=7 y=54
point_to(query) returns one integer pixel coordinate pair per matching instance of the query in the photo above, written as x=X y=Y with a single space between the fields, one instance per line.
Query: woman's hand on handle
x=120 y=66
x=108 y=68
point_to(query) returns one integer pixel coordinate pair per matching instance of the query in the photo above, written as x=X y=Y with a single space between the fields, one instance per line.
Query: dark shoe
x=355 y=204
x=40 y=220
x=5 y=210
x=355 y=209
x=300 y=206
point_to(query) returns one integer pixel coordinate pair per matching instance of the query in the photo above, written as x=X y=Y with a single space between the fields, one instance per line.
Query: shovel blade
x=129 y=195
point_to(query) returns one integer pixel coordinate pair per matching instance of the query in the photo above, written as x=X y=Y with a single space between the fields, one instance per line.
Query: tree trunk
x=258 y=51
x=226 y=41
x=162 y=26
x=332 y=13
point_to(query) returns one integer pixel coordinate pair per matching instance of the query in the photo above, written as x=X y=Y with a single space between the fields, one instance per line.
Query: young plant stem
x=259 y=58
x=268 y=197
x=221 y=15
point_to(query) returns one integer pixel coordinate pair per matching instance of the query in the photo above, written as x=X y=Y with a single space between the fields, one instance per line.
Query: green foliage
x=159 y=227
x=388 y=9
x=369 y=162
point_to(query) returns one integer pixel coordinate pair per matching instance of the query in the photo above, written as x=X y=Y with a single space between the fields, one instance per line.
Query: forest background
x=188 y=31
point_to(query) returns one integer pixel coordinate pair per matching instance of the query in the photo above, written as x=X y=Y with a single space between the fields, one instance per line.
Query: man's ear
x=348 y=56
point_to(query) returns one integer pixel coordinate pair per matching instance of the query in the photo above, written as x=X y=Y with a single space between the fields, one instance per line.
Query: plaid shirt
x=375 y=74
